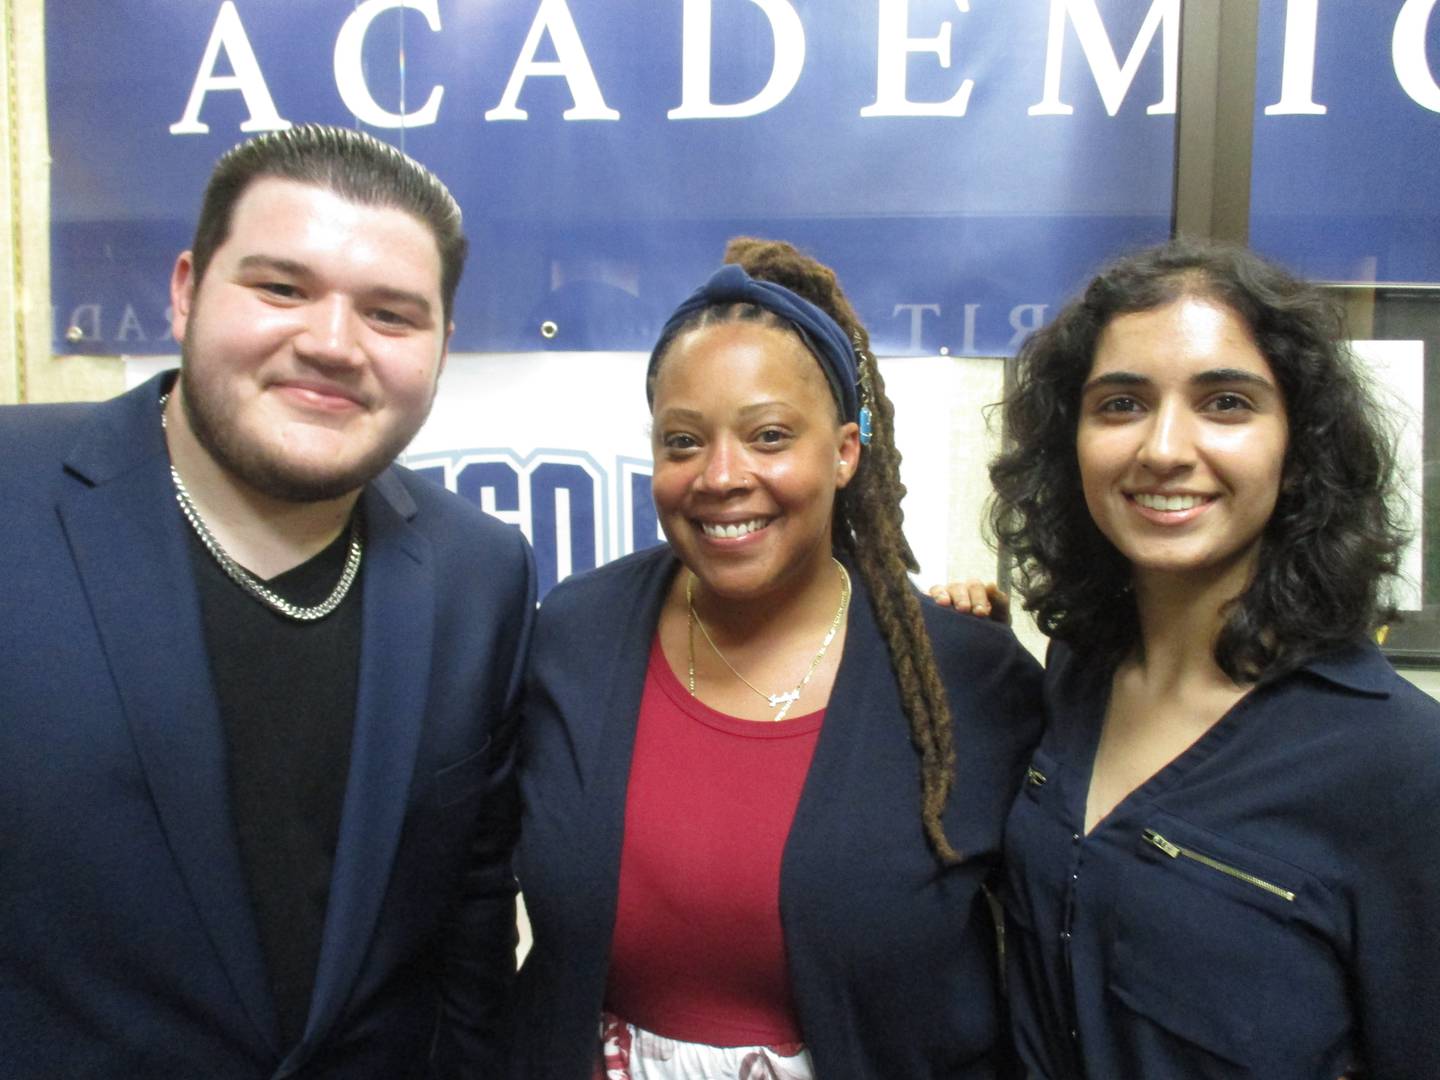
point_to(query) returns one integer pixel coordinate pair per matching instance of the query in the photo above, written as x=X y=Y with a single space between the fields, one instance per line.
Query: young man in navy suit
x=257 y=684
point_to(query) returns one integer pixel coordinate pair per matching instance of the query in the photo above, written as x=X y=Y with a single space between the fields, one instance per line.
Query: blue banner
x=963 y=165
x=1345 y=185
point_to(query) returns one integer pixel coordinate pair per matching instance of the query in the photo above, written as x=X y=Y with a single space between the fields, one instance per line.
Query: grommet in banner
x=74 y=333
x=548 y=329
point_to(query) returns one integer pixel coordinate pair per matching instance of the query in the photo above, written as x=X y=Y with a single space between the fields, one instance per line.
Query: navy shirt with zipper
x=1266 y=905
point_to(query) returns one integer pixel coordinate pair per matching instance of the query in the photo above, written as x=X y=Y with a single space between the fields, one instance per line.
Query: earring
x=866 y=393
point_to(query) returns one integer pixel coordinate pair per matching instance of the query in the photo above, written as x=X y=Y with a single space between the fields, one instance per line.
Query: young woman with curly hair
x=764 y=780
x=1225 y=859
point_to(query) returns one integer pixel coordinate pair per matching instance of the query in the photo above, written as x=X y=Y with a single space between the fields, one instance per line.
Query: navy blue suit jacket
x=891 y=956
x=127 y=942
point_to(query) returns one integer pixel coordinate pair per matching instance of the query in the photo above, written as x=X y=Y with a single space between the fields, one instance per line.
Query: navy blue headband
x=732 y=285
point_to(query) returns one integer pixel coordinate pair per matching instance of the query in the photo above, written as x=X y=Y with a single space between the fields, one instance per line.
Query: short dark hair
x=1334 y=537
x=350 y=163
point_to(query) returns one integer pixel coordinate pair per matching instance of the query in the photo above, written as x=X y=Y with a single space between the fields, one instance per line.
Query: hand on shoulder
x=974 y=597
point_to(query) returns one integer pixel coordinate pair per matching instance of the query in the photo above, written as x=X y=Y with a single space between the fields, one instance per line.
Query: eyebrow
x=273 y=262
x=695 y=414
x=689 y=415
x=759 y=406
x=1212 y=377
x=384 y=294
x=389 y=295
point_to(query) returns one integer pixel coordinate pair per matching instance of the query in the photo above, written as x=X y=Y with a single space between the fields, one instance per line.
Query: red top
x=698 y=953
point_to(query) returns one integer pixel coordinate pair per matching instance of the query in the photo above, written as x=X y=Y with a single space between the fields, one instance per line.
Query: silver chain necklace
x=248 y=581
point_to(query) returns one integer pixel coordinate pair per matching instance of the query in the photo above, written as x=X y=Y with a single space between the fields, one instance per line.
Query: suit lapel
x=398 y=621
x=864 y=690
x=127 y=538
x=603 y=751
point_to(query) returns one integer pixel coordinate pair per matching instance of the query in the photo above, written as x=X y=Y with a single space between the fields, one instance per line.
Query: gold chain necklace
x=781 y=701
x=248 y=581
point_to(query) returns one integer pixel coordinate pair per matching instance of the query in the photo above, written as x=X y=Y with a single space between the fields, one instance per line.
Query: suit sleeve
x=479 y=951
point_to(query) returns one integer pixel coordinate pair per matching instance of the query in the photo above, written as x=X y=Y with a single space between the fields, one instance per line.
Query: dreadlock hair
x=868 y=517
x=1333 y=539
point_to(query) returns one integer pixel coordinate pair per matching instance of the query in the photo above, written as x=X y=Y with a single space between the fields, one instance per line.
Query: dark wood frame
x=1410 y=313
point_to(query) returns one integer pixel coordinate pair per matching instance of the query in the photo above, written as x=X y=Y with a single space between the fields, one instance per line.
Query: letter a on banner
x=695 y=103
x=571 y=64
x=229 y=34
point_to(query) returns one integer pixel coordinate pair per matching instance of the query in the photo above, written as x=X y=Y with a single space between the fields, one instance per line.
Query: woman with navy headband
x=764 y=778
x=1225 y=861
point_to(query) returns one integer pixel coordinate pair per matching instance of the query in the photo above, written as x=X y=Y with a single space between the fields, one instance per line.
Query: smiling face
x=311 y=347
x=1181 y=441
x=748 y=457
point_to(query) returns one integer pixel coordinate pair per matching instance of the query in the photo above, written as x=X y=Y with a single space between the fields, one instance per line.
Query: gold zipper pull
x=1035 y=776
x=1160 y=842
x=1175 y=851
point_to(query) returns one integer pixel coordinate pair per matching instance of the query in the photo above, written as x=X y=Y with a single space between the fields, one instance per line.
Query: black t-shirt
x=286 y=692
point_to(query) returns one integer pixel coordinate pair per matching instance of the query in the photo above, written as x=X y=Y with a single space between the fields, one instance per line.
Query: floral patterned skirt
x=626 y=1052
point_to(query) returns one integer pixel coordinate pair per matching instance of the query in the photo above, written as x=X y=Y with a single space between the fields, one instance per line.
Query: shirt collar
x=1361 y=667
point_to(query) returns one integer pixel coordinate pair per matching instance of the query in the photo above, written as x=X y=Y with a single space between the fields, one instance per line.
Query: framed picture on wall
x=1397 y=334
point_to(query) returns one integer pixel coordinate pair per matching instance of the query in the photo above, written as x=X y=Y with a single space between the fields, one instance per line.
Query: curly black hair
x=1335 y=535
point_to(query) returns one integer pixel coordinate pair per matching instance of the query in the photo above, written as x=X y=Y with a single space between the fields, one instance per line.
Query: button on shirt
x=1268 y=904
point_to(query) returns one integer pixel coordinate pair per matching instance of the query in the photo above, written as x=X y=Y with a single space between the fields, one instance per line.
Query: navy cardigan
x=891 y=955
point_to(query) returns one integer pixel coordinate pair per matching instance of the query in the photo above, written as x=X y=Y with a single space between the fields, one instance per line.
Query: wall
x=29 y=372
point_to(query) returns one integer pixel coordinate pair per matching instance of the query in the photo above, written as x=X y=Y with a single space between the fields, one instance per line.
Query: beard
x=264 y=467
